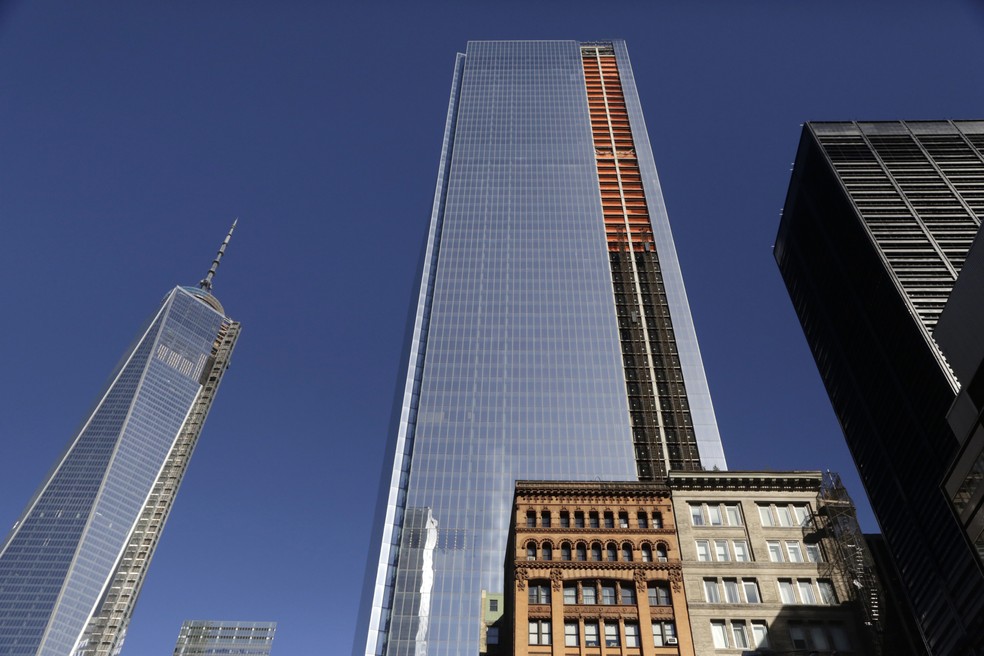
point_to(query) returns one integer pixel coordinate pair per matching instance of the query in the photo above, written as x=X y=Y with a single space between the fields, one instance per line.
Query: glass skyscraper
x=72 y=566
x=205 y=638
x=552 y=337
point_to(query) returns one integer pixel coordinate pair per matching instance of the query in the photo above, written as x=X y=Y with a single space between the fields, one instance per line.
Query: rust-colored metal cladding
x=623 y=200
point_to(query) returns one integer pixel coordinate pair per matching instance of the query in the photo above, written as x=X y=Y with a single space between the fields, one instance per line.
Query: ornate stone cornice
x=591 y=491
x=794 y=481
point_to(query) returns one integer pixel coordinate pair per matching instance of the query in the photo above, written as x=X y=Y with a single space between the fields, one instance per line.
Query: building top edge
x=591 y=487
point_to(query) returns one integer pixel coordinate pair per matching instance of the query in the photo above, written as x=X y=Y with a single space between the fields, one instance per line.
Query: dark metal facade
x=877 y=223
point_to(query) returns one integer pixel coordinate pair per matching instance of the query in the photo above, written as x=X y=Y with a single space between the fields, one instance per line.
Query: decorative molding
x=641 y=581
x=557 y=577
x=521 y=576
x=676 y=577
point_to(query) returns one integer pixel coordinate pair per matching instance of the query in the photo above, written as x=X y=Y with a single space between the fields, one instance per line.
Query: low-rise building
x=761 y=568
x=594 y=568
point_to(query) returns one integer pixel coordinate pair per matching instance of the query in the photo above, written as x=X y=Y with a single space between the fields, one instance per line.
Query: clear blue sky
x=131 y=134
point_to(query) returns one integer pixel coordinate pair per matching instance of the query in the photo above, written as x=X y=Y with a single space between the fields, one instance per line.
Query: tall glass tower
x=552 y=337
x=72 y=567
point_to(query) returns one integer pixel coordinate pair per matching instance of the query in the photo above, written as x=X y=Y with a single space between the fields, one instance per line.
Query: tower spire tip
x=206 y=282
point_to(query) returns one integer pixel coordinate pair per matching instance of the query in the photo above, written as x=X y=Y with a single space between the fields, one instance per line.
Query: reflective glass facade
x=205 y=638
x=515 y=364
x=56 y=563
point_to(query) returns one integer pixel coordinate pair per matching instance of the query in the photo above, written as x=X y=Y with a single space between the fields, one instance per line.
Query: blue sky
x=131 y=134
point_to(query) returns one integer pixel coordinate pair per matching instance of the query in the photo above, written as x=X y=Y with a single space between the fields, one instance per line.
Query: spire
x=206 y=282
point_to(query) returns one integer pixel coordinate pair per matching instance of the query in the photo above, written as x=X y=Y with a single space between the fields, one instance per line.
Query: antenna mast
x=206 y=282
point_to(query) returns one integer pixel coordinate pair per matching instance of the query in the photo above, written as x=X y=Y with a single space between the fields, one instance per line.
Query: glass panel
x=719 y=631
x=741 y=551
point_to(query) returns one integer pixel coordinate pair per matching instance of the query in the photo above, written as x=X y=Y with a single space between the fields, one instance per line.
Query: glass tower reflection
x=524 y=361
x=71 y=568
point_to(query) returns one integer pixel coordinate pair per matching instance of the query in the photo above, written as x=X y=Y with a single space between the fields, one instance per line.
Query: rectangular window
x=609 y=520
x=721 y=551
x=751 y=588
x=530 y=519
x=611 y=634
x=740 y=632
x=696 y=514
x=819 y=638
x=492 y=635
x=632 y=635
x=664 y=633
x=571 y=638
x=712 y=594
x=608 y=594
x=775 y=551
x=719 y=632
x=827 y=594
x=591 y=635
x=627 y=593
x=659 y=594
x=786 y=593
x=539 y=593
x=837 y=632
x=623 y=520
x=570 y=594
x=493 y=605
x=643 y=520
x=765 y=514
x=539 y=632
x=578 y=519
x=802 y=514
x=741 y=551
x=590 y=594
x=545 y=519
x=731 y=595
x=703 y=550
x=760 y=635
x=813 y=553
x=798 y=636
x=733 y=513
x=794 y=551
x=807 y=595
x=593 y=520
x=565 y=519
x=714 y=514
x=785 y=517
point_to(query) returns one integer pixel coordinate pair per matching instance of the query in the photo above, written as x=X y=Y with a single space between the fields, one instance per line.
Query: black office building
x=878 y=221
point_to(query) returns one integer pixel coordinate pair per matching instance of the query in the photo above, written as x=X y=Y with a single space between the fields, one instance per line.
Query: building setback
x=551 y=339
x=214 y=638
x=72 y=566
x=877 y=225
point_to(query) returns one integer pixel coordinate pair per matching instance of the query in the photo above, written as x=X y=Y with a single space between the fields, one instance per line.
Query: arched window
x=531 y=551
x=647 y=553
x=611 y=552
x=581 y=552
x=565 y=551
x=661 y=553
x=596 y=551
x=627 y=552
x=547 y=550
